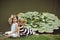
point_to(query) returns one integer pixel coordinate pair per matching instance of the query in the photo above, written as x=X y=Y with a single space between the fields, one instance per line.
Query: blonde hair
x=21 y=22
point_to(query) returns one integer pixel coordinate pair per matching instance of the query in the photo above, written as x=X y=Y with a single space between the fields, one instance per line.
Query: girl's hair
x=17 y=17
x=13 y=18
x=21 y=22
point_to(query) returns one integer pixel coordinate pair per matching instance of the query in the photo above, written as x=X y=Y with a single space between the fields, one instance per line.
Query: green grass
x=35 y=37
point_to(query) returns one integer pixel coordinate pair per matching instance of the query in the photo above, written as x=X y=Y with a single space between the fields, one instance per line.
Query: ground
x=35 y=37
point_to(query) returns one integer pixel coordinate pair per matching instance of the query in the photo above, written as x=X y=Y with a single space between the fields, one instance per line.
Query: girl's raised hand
x=12 y=16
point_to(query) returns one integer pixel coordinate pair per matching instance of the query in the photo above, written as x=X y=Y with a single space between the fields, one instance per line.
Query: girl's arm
x=18 y=31
x=10 y=19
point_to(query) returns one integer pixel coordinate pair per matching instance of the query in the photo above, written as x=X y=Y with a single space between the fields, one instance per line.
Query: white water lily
x=43 y=22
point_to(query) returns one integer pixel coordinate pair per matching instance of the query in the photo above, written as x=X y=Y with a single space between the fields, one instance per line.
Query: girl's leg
x=35 y=32
x=7 y=34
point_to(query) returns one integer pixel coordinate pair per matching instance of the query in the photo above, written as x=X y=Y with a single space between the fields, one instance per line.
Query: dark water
x=8 y=7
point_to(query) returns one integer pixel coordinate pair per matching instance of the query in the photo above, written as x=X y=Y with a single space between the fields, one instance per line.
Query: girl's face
x=21 y=22
x=15 y=20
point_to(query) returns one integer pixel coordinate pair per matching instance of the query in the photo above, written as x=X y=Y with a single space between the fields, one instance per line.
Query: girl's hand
x=12 y=16
x=19 y=36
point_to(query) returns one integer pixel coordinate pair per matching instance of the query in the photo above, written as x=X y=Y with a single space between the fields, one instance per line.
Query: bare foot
x=34 y=33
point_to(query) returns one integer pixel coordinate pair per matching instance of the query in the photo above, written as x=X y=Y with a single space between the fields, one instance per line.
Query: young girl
x=22 y=31
x=13 y=20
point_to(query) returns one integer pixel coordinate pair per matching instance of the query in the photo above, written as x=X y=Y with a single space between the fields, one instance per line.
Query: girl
x=22 y=31
x=13 y=20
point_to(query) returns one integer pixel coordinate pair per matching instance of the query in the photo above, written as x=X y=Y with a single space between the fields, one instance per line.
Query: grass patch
x=35 y=37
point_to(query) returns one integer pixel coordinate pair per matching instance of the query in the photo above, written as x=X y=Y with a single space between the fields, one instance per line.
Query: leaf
x=44 y=22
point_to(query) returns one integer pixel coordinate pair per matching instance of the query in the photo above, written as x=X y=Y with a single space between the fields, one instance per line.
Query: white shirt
x=13 y=28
